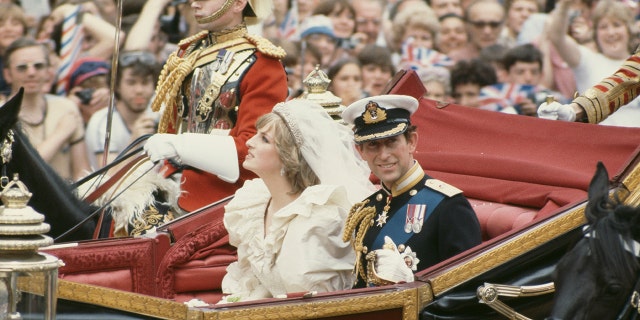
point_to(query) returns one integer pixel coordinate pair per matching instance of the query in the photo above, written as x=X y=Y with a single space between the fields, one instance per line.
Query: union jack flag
x=289 y=27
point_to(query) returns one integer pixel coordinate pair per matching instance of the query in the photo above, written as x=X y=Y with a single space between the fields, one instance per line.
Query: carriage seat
x=497 y=218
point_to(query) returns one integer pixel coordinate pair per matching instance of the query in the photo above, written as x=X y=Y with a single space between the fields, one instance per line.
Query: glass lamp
x=21 y=234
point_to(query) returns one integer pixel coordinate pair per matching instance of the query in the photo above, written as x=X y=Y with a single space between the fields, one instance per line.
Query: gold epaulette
x=442 y=187
x=266 y=47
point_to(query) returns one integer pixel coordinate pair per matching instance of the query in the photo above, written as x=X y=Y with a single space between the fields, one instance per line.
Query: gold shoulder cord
x=362 y=218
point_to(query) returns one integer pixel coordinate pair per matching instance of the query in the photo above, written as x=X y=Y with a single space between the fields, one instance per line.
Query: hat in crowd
x=85 y=68
x=380 y=117
x=317 y=24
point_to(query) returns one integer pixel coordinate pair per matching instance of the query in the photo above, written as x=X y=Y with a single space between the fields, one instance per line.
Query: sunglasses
x=129 y=58
x=484 y=24
x=39 y=66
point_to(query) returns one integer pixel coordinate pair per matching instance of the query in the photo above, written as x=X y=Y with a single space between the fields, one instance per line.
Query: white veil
x=327 y=146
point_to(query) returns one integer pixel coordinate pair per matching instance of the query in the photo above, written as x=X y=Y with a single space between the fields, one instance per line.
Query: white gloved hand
x=556 y=111
x=161 y=146
x=390 y=264
x=215 y=154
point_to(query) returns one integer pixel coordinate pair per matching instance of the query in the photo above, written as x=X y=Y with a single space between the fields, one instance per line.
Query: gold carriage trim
x=378 y=135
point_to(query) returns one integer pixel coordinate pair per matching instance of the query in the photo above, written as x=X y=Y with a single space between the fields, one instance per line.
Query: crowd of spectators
x=501 y=55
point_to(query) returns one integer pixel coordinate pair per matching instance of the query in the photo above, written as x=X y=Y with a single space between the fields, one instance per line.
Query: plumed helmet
x=257 y=10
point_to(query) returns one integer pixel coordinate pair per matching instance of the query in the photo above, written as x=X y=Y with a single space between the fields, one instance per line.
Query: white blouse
x=302 y=251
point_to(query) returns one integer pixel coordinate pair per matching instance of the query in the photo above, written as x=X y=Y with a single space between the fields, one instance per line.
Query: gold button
x=413 y=192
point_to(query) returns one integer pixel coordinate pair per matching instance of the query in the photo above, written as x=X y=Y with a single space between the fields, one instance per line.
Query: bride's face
x=262 y=156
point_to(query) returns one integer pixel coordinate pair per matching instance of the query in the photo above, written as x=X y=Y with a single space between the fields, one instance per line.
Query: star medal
x=382 y=218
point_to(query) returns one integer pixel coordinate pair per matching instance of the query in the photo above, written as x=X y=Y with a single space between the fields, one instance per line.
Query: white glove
x=215 y=154
x=556 y=111
x=161 y=146
x=390 y=264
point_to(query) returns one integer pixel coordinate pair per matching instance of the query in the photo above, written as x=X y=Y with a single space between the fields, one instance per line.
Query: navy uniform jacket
x=452 y=226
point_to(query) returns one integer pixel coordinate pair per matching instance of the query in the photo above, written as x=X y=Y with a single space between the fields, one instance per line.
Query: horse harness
x=627 y=312
x=6 y=154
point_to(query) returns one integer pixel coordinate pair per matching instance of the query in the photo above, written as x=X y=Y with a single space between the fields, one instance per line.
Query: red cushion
x=497 y=218
x=202 y=275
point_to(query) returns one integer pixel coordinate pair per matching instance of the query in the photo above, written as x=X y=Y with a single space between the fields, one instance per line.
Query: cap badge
x=373 y=113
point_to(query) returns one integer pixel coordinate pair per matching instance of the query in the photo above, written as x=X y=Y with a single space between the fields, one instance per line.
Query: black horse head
x=52 y=196
x=596 y=278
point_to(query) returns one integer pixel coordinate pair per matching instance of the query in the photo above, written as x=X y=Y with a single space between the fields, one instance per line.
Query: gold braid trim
x=171 y=78
x=362 y=218
x=265 y=46
x=612 y=92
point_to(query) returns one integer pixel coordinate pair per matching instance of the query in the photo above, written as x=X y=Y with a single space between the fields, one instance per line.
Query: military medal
x=419 y=219
x=415 y=217
x=408 y=222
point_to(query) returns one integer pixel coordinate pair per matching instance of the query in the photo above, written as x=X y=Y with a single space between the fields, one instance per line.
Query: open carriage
x=526 y=178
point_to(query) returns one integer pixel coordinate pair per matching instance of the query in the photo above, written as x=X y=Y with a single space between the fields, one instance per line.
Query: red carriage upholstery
x=197 y=261
x=123 y=264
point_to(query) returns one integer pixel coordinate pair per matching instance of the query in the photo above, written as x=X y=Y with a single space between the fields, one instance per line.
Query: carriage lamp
x=316 y=84
x=21 y=234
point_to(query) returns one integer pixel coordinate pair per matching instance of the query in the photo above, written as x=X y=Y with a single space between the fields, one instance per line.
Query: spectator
x=95 y=35
x=484 y=21
x=437 y=82
x=88 y=86
x=444 y=7
x=453 y=34
x=145 y=34
x=317 y=31
x=494 y=55
x=612 y=22
x=272 y=27
x=346 y=80
x=13 y=25
x=467 y=78
x=310 y=58
x=342 y=16
x=53 y=124
x=518 y=11
x=521 y=91
x=132 y=118
x=369 y=21
x=377 y=68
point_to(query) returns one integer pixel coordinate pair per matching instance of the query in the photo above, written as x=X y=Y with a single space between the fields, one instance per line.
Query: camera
x=85 y=95
x=349 y=43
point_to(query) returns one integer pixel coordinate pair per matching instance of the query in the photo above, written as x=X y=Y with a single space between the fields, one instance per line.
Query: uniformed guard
x=213 y=89
x=413 y=221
